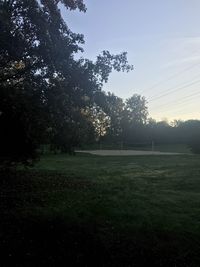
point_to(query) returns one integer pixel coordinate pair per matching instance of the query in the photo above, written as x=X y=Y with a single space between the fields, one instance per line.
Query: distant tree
x=190 y=134
x=176 y=123
x=42 y=87
x=164 y=133
x=136 y=109
x=163 y=124
x=114 y=107
x=150 y=129
x=151 y=122
x=134 y=119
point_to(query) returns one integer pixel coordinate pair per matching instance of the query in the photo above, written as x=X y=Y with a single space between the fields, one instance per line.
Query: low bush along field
x=102 y=211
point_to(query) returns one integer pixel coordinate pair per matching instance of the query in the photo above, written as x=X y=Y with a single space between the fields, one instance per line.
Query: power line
x=178 y=101
x=179 y=108
x=175 y=90
x=174 y=87
x=170 y=77
x=172 y=110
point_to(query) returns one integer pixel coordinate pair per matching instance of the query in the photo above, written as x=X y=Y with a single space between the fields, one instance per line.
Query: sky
x=162 y=38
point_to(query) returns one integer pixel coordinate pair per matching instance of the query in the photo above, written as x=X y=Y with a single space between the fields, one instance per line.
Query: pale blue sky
x=162 y=38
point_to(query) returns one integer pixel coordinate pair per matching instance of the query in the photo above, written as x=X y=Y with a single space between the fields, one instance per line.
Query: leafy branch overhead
x=43 y=87
x=107 y=62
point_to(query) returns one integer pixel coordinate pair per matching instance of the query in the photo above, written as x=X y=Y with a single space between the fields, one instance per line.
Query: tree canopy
x=43 y=87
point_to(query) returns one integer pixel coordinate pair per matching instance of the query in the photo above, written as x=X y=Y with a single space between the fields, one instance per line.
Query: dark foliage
x=43 y=89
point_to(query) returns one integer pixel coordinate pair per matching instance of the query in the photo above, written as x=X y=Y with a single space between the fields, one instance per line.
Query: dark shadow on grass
x=30 y=239
x=50 y=243
x=55 y=242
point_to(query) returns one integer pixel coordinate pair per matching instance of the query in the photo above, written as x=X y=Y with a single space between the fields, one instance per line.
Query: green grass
x=178 y=148
x=102 y=211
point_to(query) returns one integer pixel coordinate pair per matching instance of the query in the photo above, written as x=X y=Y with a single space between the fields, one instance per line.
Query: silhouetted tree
x=137 y=110
x=42 y=87
x=134 y=119
x=114 y=107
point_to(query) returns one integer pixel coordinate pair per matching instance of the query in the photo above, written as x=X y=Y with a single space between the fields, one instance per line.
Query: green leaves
x=41 y=79
x=74 y=4
x=107 y=62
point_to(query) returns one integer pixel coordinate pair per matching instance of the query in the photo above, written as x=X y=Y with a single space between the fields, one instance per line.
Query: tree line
x=127 y=122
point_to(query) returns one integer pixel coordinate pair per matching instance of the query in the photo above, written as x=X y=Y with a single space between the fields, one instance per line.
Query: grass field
x=177 y=148
x=102 y=211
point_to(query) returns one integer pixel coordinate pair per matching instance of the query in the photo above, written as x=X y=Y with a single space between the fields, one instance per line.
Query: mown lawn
x=178 y=148
x=102 y=211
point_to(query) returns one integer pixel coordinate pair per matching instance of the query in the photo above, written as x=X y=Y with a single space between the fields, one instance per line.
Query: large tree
x=134 y=118
x=137 y=111
x=113 y=106
x=42 y=87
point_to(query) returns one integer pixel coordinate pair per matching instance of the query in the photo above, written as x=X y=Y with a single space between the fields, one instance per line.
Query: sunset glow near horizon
x=163 y=44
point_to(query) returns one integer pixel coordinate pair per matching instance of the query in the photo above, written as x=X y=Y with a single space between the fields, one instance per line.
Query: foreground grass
x=102 y=211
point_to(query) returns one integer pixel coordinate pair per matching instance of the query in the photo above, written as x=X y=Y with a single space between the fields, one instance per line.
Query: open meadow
x=88 y=210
